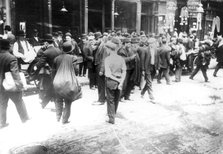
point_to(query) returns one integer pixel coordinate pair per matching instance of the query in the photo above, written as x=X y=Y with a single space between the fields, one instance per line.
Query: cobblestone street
x=187 y=119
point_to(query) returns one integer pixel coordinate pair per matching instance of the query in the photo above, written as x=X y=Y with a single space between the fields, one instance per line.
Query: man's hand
x=120 y=86
x=100 y=73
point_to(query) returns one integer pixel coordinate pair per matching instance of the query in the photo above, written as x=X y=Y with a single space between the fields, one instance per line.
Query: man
x=219 y=53
x=164 y=61
x=146 y=73
x=8 y=34
x=83 y=65
x=129 y=57
x=204 y=57
x=75 y=48
x=23 y=50
x=8 y=63
x=89 y=55
x=34 y=40
x=115 y=72
x=98 y=63
x=46 y=57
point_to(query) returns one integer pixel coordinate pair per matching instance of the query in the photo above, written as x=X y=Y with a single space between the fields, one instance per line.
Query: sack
x=65 y=81
x=9 y=83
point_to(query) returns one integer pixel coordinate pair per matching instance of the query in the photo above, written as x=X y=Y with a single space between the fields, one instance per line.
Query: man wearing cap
x=203 y=60
x=23 y=50
x=115 y=72
x=129 y=57
x=83 y=65
x=99 y=57
x=75 y=49
x=219 y=53
x=46 y=57
x=69 y=60
x=8 y=63
x=164 y=61
x=88 y=54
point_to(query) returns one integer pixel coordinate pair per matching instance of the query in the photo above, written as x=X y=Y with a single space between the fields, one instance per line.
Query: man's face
x=68 y=38
x=128 y=44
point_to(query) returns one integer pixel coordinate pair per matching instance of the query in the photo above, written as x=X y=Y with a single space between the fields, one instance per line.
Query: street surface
x=187 y=119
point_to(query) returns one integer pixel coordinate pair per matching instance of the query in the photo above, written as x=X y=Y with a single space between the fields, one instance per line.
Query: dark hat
x=135 y=40
x=84 y=36
x=67 y=46
x=48 y=38
x=126 y=40
x=110 y=45
x=68 y=34
x=98 y=35
x=7 y=27
x=180 y=40
x=55 y=34
x=60 y=33
x=35 y=30
x=21 y=33
x=4 y=44
x=219 y=34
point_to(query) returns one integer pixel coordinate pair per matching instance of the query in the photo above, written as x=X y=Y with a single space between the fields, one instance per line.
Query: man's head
x=4 y=44
x=48 y=39
x=67 y=47
x=68 y=36
x=7 y=28
x=21 y=34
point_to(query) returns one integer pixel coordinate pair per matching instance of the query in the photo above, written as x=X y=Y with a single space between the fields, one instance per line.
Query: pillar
x=103 y=15
x=50 y=16
x=8 y=12
x=138 y=16
x=86 y=16
x=112 y=15
x=81 y=17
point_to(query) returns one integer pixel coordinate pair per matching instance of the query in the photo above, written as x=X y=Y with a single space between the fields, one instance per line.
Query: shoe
x=110 y=121
x=152 y=101
x=206 y=80
x=98 y=103
x=168 y=83
x=128 y=99
x=65 y=122
x=214 y=75
x=190 y=78
x=4 y=125
x=159 y=82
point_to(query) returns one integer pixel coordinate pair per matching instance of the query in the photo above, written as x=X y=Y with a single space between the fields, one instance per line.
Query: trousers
x=16 y=97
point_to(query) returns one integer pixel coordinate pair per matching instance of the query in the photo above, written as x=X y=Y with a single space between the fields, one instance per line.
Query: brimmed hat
x=68 y=34
x=35 y=31
x=67 y=47
x=84 y=36
x=110 y=45
x=4 y=44
x=115 y=40
x=48 y=38
x=126 y=40
x=55 y=34
x=98 y=35
x=21 y=33
x=60 y=33
x=7 y=27
x=135 y=40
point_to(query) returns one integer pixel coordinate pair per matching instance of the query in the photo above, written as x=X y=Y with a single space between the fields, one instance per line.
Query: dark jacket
x=126 y=54
x=47 y=56
x=89 y=55
x=8 y=63
x=219 y=53
x=164 y=56
x=147 y=62
x=142 y=56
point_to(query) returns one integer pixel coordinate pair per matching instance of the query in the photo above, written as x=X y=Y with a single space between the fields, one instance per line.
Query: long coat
x=8 y=63
x=164 y=56
x=219 y=53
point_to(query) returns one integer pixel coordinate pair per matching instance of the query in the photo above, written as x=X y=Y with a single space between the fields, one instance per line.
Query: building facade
x=83 y=16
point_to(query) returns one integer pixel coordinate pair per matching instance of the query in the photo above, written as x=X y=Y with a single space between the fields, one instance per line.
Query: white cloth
x=216 y=24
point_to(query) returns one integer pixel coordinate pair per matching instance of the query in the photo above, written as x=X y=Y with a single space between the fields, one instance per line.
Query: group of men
x=145 y=57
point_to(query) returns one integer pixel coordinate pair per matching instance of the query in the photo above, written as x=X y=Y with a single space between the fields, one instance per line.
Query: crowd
x=115 y=63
